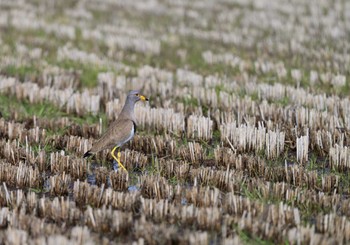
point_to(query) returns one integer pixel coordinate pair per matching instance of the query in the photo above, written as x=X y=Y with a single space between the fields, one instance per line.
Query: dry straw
x=59 y=184
x=119 y=180
x=107 y=220
x=97 y=196
x=199 y=127
x=20 y=176
x=155 y=187
x=246 y=138
x=76 y=167
x=227 y=157
x=303 y=148
x=339 y=158
x=160 y=119
x=193 y=152
x=175 y=169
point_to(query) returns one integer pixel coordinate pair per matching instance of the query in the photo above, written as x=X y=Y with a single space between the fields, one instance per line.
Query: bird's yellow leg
x=118 y=159
x=119 y=155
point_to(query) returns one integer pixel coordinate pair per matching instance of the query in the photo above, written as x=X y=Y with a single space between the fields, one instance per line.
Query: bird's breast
x=132 y=133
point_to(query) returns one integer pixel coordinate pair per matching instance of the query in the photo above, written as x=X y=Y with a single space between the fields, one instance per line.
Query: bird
x=121 y=130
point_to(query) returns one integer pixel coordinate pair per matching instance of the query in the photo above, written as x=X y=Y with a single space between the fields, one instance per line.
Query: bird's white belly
x=132 y=133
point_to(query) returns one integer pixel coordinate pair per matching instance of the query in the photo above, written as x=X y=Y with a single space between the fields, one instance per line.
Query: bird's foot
x=120 y=164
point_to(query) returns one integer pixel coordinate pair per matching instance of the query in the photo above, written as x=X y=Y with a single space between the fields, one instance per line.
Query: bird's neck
x=128 y=110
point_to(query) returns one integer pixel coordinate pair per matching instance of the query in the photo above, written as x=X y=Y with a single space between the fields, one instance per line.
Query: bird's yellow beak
x=143 y=98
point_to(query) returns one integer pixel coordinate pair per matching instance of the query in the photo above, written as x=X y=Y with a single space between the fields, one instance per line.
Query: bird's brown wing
x=117 y=133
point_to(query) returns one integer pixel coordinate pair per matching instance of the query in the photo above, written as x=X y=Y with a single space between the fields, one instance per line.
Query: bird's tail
x=87 y=154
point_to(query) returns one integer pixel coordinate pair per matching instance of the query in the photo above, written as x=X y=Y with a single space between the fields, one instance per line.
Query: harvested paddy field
x=245 y=138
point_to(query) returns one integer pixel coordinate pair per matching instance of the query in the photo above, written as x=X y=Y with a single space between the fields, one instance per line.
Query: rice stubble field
x=244 y=139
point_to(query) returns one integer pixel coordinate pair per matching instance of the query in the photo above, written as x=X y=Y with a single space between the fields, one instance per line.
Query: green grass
x=10 y=105
x=344 y=180
x=251 y=194
x=190 y=101
x=169 y=59
x=88 y=73
x=250 y=239
x=43 y=146
x=37 y=190
x=25 y=109
x=22 y=72
x=283 y=101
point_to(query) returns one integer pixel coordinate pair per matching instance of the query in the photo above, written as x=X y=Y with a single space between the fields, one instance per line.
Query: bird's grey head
x=134 y=96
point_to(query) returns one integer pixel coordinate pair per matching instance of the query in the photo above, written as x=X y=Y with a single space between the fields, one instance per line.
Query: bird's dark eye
x=137 y=94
